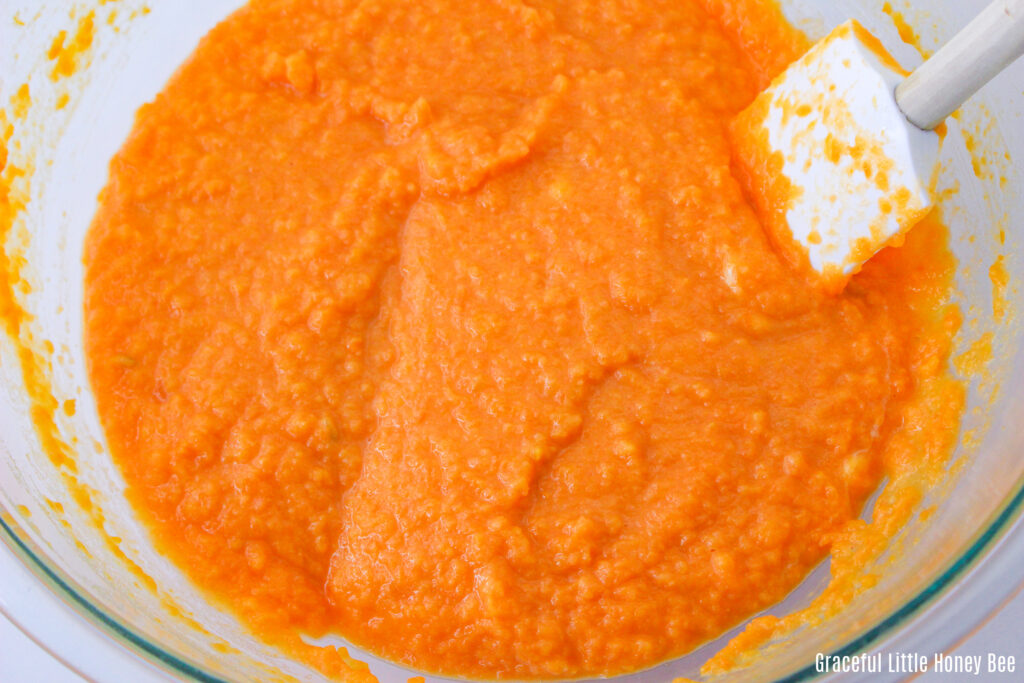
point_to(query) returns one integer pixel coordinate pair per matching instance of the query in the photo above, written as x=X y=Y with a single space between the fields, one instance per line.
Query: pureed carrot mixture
x=447 y=327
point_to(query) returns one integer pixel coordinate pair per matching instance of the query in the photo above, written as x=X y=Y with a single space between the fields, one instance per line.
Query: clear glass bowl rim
x=50 y=574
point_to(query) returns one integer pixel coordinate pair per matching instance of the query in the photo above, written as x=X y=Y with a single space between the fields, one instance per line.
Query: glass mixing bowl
x=953 y=568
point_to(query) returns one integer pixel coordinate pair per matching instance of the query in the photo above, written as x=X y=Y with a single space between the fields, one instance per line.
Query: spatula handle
x=984 y=48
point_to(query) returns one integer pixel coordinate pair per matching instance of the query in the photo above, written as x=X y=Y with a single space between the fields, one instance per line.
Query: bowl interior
x=75 y=527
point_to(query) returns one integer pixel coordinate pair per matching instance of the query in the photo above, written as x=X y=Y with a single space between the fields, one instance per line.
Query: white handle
x=984 y=48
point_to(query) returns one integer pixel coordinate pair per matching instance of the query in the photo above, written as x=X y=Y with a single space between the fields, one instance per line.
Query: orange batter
x=446 y=327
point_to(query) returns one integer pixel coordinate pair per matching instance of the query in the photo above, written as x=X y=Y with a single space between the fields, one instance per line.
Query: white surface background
x=74 y=640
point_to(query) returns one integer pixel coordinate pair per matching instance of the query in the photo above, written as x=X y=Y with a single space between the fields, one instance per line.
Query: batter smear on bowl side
x=447 y=327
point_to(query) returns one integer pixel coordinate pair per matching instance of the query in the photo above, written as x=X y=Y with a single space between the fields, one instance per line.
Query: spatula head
x=834 y=167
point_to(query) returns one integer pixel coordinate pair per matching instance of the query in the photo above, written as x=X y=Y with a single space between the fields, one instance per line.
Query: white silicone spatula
x=842 y=147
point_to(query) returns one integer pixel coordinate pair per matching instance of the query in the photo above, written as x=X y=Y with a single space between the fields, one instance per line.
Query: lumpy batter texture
x=447 y=327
